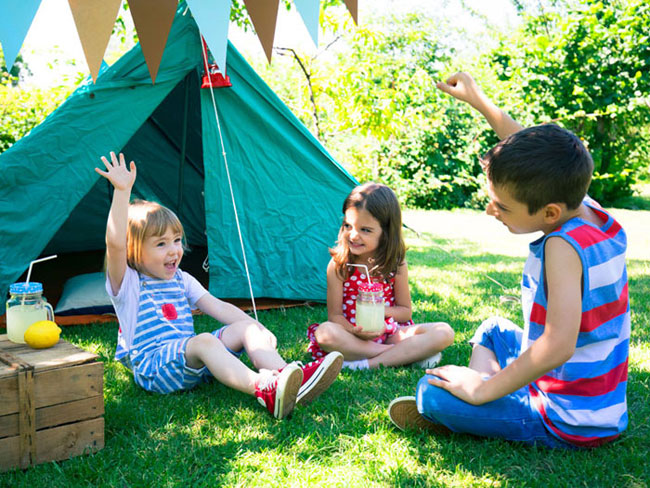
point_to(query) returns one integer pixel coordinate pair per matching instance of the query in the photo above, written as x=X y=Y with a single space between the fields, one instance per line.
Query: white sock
x=358 y=364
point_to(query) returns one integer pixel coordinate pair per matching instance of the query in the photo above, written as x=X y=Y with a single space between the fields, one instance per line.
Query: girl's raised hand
x=121 y=177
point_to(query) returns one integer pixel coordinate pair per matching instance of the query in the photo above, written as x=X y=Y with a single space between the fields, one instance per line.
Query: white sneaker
x=429 y=363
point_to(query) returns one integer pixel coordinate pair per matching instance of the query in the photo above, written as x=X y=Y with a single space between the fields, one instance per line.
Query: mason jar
x=370 y=314
x=26 y=305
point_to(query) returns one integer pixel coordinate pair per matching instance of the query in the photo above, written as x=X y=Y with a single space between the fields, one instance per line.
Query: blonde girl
x=154 y=299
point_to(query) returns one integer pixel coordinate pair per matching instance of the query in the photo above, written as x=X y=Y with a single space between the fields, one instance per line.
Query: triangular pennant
x=94 y=20
x=213 y=17
x=264 y=15
x=152 y=20
x=309 y=11
x=15 y=19
x=353 y=7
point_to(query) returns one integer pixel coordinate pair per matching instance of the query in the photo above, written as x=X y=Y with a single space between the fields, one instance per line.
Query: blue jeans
x=511 y=417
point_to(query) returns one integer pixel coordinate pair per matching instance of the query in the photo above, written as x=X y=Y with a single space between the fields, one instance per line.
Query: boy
x=561 y=381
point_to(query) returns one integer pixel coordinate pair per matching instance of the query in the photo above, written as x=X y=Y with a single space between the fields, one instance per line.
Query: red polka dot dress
x=350 y=292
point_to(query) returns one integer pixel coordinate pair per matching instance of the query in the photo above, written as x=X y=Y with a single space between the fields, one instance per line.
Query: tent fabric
x=288 y=189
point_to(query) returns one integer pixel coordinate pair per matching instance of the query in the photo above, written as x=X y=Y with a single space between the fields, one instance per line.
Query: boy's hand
x=463 y=87
x=460 y=381
x=117 y=172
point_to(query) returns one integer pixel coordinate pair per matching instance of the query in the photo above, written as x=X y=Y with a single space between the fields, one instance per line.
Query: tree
x=587 y=67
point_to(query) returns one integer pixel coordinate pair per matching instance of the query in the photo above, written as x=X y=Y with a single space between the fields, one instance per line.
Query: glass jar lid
x=23 y=288
x=371 y=287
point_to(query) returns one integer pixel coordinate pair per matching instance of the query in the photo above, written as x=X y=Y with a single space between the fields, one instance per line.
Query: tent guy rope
x=232 y=195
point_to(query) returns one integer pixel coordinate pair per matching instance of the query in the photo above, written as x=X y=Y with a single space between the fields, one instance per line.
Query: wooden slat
x=55 y=386
x=58 y=443
x=55 y=415
x=26 y=417
x=61 y=354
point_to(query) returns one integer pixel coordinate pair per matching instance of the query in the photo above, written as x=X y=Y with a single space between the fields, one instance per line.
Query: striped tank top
x=584 y=401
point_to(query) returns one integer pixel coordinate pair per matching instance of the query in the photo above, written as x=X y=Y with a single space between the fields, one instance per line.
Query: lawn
x=461 y=264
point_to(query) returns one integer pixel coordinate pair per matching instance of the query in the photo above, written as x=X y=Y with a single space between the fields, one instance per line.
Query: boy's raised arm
x=463 y=87
x=122 y=180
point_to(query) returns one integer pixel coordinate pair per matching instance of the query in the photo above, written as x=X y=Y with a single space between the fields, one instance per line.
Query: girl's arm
x=463 y=87
x=122 y=180
x=224 y=312
x=401 y=311
x=227 y=314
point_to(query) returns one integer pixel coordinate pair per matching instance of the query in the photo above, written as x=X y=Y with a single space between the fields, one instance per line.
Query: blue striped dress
x=164 y=325
x=584 y=401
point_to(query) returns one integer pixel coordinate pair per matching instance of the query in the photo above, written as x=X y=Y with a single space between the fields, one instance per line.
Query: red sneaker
x=318 y=375
x=278 y=392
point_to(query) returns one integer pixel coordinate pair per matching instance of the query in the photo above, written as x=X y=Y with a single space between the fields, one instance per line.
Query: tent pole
x=183 y=147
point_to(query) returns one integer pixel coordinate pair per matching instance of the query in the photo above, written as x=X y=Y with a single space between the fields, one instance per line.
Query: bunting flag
x=153 y=20
x=15 y=18
x=353 y=7
x=264 y=15
x=213 y=17
x=309 y=10
x=94 y=20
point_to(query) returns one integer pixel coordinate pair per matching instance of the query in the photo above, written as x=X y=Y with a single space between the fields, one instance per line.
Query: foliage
x=22 y=109
x=581 y=63
x=587 y=67
x=379 y=111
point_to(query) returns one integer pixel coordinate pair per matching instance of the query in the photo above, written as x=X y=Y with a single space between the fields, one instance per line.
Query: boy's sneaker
x=403 y=412
x=318 y=376
x=429 y=363
x=278 y=392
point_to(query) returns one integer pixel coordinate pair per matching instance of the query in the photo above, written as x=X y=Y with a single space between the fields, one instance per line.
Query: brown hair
x=541 y=165
x=147 y=219
x=380 y=202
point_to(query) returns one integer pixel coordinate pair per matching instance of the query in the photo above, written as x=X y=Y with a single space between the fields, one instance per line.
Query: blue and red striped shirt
x=584 y=401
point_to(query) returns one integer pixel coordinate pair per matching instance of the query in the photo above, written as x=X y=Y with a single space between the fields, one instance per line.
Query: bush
x=23 y=109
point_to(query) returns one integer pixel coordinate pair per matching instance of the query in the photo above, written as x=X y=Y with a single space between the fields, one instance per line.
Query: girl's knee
x=445 y=333
x=440 y=334
x=203 y=342
x=326 y=333
x=200 y=346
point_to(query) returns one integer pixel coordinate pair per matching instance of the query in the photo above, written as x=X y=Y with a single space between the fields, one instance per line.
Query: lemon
x=42 y=334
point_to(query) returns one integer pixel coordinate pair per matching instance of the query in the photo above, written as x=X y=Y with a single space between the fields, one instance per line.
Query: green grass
x=213 y=436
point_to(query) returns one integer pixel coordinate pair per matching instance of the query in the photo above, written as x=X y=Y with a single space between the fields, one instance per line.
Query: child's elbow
x=562 y=353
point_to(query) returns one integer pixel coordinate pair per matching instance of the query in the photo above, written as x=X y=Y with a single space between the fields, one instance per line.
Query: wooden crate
x=51 y=403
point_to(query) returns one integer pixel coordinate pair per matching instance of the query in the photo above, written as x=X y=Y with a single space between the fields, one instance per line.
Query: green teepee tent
x=287 y=188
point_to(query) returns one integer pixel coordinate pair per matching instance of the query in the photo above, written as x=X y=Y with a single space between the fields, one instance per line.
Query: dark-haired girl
x=370 y=240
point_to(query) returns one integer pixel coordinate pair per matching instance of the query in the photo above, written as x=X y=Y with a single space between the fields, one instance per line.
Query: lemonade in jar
x=26 y=305
x=371 y=310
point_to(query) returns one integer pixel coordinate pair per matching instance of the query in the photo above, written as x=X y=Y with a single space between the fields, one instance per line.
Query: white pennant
x=309 y=10
x=213 y=17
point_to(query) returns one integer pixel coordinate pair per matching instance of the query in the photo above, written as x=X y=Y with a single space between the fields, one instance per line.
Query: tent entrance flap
x=181 y=166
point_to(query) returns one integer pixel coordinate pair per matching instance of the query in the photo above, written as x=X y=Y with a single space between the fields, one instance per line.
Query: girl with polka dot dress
x=370 y=241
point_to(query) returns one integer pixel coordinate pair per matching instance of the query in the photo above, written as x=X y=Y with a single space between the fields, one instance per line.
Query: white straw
x=366 y=268
x=29 y=273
